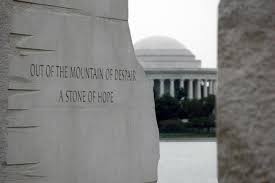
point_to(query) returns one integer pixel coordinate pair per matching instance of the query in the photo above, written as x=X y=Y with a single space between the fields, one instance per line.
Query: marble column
x=161 y=87
x=205 y=89
x=172 y=87
x=198 y=88
x=190 y=89
x=182 y=83
x=211 y=90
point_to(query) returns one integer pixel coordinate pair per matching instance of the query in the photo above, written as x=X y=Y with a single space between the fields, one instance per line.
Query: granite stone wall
x=246 y=91
x=75 y=105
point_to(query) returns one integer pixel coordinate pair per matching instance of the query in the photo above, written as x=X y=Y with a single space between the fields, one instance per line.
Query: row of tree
x=179 y=114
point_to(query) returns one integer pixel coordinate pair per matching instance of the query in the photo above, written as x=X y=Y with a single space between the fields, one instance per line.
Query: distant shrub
x=170 y=111
x=167 y=107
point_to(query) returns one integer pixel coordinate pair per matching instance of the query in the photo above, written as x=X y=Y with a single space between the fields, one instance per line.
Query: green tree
x=209 y=105
x=170 y=111
x=167 y=107
x=191 y=108
x=180 y=94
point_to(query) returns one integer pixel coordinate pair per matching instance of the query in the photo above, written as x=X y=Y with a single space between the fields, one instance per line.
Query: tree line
x=180 y=114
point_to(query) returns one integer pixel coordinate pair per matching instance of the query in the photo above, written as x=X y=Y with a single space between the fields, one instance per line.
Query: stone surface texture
x=246 y=91
x=5 y=22
x=49 y=136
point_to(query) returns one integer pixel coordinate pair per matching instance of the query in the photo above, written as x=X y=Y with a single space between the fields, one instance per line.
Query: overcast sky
x=192 y=22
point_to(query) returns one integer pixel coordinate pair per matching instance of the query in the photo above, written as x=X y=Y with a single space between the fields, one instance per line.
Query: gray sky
x=192 y=22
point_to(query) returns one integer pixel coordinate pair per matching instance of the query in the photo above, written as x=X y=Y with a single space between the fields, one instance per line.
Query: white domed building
x=172 y=66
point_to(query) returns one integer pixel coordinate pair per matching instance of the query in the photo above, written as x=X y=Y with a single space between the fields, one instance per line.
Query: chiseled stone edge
x=97 y=12
x=5 y=27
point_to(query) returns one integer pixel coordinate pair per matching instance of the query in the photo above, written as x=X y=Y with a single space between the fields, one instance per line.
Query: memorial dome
x=160 y=52
x=161 y=45
x=171 y=66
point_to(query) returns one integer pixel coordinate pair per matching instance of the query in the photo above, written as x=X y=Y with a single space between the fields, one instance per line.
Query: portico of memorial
x=172 y=66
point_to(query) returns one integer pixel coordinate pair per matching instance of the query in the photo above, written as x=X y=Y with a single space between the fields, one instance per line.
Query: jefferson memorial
x=172 y=66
